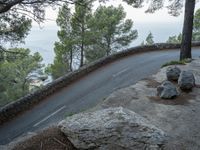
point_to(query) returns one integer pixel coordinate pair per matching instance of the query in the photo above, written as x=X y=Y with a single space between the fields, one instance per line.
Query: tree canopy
x=174 y=39
x=13 y=28
x=175 y=8
x=64 y=48
x=81 y=31
x=16 y=16
x=149 y=39
x=110 y=31
x=16 y=74
x=195 y=34
x=73 y=38
x=196 y=28
x=85 y=36
x=35 y=6
x=35 y=9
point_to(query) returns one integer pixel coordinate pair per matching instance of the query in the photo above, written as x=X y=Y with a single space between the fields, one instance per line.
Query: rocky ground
x=178 y=118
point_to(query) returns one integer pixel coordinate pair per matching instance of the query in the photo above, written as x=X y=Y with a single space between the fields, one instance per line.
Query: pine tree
x=175 y=9
x=64 y=49
x=149 y=39
x=196 y=28
x=110 y=31
x=174 y=39
x=17 y=72
x=73 y=38
x=80 y=27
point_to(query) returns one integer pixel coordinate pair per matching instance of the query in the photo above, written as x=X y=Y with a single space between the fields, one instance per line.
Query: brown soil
x=49 y=139
x=151 y=83
x=182 y=99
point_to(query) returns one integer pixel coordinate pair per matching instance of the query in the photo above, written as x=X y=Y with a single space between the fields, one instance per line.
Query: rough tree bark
x=82 y=50
x=187 y=30
x=71 y=60
x=82 y=43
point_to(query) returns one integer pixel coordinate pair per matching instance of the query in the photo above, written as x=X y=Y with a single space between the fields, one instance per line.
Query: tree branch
x=7 y=5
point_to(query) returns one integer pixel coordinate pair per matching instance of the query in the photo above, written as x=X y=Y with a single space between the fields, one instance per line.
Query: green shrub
x=176 y=62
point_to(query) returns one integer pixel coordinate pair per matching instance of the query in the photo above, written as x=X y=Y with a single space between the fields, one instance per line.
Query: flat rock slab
x=112 y=128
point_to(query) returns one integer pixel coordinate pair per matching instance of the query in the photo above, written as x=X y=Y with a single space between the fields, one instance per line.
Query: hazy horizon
x=160 y=23
x=42 y=40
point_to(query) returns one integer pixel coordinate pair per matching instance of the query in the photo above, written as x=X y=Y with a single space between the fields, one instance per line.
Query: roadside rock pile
x=112 y=128
x=178 y=118
x=167 y=90
x=185 y=79
x=173 y=73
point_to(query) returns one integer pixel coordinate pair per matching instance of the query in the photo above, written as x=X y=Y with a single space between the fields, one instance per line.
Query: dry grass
x=174 y=62
x=49 y=139
x=151 y=83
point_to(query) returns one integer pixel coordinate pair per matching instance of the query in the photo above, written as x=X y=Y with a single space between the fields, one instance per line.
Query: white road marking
x=119 y=73
x=49 y=116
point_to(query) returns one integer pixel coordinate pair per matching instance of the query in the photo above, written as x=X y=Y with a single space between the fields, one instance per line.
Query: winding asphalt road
x=87 y=92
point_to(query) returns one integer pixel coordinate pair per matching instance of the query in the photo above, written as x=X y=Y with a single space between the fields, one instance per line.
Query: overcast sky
x=138 y=15
x=161 y=24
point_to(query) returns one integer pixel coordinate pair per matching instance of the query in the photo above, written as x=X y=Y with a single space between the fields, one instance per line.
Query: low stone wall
x=11 y=110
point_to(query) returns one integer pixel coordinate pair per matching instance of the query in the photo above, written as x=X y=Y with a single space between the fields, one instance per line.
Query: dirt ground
x=49 y=139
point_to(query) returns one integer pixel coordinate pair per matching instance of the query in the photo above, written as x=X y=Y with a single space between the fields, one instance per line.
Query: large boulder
x=113 y=128
x=167 y=90
x=186 y=80
x=173 y=73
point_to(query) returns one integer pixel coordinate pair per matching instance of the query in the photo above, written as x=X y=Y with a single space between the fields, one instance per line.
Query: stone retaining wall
x=11 y=110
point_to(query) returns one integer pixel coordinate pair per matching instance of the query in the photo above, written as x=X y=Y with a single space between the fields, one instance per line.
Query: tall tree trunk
x=23 y=85
x=71 y=59
x=82 y=54
x=108 y=51
x=187 y=30
x=82 y=44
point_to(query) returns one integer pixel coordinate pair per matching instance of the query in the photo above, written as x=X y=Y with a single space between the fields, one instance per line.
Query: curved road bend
x=87 y=92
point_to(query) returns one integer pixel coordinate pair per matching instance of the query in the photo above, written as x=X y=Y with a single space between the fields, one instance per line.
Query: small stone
x=173 y=73
x=112 y=128
x=167 y=90
x=186 y=80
